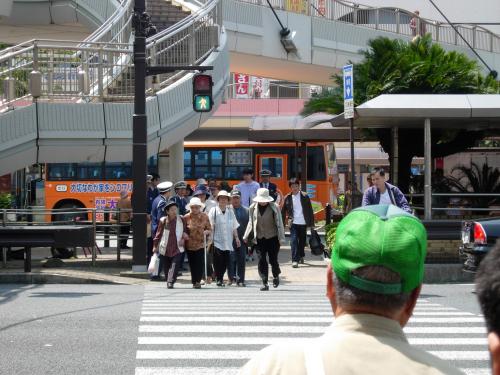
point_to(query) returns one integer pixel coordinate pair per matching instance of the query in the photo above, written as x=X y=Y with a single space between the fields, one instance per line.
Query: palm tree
x=392 y=66
x=476 y=179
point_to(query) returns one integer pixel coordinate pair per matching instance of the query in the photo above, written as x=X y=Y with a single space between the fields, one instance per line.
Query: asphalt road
x=107 y=329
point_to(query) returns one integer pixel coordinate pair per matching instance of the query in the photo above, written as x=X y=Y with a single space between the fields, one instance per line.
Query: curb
x=52 y=278
x=446 y=273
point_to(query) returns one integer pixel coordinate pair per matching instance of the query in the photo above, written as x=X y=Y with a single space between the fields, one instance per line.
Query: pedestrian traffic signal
x=202 y=93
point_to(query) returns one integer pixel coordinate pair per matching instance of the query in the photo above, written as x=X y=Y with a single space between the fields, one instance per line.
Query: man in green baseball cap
x=373 y=283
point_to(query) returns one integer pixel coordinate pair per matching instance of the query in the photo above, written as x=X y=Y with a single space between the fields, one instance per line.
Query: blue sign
x=348 y=86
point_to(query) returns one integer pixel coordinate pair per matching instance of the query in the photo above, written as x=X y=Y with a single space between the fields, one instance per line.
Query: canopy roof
x=474 y=111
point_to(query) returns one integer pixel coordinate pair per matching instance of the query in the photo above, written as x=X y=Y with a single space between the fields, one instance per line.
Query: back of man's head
x=378 y=260
x=488 y=294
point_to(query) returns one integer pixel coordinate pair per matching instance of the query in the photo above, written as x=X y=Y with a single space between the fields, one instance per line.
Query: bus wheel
x=62 y=217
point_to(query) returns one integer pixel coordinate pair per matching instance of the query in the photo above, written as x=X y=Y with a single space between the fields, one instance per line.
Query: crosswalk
x=215 y=331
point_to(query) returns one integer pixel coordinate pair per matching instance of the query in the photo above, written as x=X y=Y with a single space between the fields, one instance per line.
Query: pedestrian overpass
x=71 y=101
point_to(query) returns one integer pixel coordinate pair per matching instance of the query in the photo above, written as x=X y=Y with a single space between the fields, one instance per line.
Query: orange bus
x=98 y=185
x=225 y=161
x=86 y=185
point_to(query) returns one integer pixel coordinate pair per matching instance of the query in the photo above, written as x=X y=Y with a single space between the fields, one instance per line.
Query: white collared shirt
x=223 y=227
x=298 y=214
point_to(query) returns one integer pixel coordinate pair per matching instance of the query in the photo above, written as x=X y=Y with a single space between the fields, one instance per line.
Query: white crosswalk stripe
x=214 y=331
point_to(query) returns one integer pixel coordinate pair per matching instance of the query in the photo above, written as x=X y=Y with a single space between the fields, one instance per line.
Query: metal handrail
x=377 y=17
x=92 y=69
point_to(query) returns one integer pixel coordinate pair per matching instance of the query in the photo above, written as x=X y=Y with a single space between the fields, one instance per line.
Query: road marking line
x=241 y=312
x=450 y=330
x=232 y=329
x=207 y=340
x=465 y=355
x=195 y=354
x=452 y=341
x=186 y=370
x=476 y=371
x=447 y=320
x=443 y=313
x=199 y=319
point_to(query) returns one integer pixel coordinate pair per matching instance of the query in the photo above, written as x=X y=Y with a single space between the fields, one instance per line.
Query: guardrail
x=100 y=68
x=466 y=205
x=394 y=20
x=107 y=224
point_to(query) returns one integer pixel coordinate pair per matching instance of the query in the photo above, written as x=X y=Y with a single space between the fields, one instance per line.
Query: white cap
x=165 y=186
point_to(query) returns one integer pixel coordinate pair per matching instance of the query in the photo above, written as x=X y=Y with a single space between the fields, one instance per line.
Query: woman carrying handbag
x=169 y=241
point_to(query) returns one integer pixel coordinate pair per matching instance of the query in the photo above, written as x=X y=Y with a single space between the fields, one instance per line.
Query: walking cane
x=205 y=251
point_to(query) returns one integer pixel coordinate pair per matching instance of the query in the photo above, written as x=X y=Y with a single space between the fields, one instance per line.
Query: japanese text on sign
x=100 y=187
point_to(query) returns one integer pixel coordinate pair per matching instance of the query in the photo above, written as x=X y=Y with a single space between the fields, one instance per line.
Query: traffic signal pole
x=139 y=141
x=141 y=25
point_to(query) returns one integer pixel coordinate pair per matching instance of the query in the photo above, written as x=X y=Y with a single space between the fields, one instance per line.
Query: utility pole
x=139 y=139
x=202 y=102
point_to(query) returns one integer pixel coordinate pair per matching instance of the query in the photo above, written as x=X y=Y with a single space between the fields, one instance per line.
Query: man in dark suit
x=265 y=182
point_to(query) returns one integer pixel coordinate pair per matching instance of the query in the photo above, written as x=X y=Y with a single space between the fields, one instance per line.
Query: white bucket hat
x=223 y=193
x=195 y=201
x=263 y=196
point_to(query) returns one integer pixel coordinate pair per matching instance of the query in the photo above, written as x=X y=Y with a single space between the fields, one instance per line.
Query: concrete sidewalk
x=110 y=271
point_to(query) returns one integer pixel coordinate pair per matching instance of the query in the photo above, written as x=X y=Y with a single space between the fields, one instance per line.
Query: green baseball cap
x=382 y=235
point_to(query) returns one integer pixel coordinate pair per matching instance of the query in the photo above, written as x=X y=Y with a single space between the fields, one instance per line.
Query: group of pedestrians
x=217 y=229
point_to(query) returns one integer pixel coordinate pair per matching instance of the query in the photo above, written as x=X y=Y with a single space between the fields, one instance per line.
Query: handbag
x=154 y=264
x=315 y=243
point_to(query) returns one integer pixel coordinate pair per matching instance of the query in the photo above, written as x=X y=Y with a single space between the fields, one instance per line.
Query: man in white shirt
x=384 y=193
x=298 y=209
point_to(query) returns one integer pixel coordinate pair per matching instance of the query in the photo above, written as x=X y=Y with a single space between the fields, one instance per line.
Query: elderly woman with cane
x=265 y=228
x=169 y=241
x=198 y=225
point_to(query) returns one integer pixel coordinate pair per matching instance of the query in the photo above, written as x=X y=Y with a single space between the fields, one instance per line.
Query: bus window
x=207 y=164
x=87 y=171
x=316 y=168
x=61 y=171
x=235 y=173
x=118 y=171
x=188 y=166
x=215 y=164
x=275 y=165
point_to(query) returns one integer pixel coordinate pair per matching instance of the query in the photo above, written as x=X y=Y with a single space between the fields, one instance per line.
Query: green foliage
x=393 y=66
x=476 y=179
x=330 y=232
x=5 y=200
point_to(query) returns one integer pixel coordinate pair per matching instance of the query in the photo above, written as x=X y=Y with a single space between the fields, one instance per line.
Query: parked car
x=478 y=237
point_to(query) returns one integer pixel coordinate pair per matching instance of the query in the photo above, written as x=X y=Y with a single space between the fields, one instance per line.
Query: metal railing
x=107 y=224
x=466 y=206
x=398 y=21
x=100 y=68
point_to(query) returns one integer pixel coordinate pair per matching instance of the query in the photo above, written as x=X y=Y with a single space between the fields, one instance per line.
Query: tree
x=393 y=66
x=476 y=179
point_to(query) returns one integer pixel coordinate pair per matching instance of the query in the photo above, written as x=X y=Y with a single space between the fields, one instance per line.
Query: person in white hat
x=199 y=227
x=224 y=231
x=169 y=241
x=265 y=228
x=157 y=212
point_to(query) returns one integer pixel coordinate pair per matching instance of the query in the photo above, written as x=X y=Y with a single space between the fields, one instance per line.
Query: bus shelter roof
x=468 y=111
x=314 y=128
